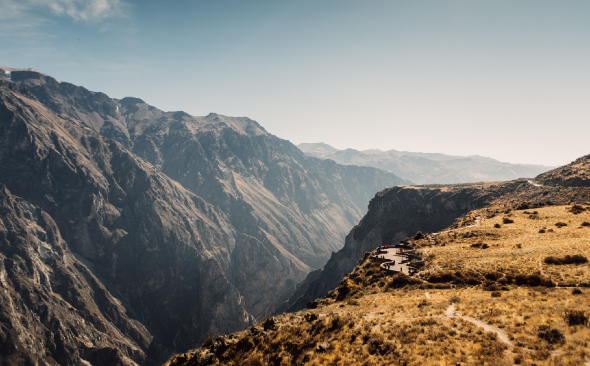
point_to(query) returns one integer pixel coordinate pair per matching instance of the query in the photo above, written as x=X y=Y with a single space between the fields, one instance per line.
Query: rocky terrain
x=427 y=168
x=171 y=226
x=571 y=175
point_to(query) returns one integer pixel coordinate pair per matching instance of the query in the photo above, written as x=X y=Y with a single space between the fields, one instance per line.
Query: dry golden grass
x=518 y=247
x=499 y=316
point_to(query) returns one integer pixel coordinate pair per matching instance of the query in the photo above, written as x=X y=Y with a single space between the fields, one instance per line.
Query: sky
x=505 y=79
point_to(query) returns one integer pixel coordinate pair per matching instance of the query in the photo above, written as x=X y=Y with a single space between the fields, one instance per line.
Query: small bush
x=586 y=223
x=576 y=209
x=532 y=280
x=480 y=245
x=560 y=224
x=419 y=236
x=312 y=305
x=506 y=220
x=576 y=291
x=542 y=231
x=497 y=226
x=209 y=341
x=550 y=335
x=496 y=294
x=575 y=317
x=567 y=259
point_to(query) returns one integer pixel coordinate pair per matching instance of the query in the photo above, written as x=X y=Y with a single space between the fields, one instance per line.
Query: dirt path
x=502 y=336
x=478 y=220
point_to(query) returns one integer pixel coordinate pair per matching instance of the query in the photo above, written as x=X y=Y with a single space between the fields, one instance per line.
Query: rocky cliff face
x=53 y=309
x=286 y=212
x=158 y=248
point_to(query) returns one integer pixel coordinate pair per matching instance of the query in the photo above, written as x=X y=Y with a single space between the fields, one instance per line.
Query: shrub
x=576 y=209
x=497 y=226
x=209 y=341
x=507 y=220
x=310 y=317
x=342 y=292
x=312 y=305
x=576 y=291
x=496 y=294
x=575 y=317
x=567 y=259
x=550 y=335
x=419 y=236
x=586 y=223
x=532 y=280
x=560 y=224
x=542 y=231
x=480 y=245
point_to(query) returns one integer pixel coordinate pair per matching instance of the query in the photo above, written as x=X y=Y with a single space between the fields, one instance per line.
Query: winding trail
x=478 y=220
x=502 y=336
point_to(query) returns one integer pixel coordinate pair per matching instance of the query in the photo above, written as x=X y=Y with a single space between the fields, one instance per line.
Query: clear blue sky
x=505 y=79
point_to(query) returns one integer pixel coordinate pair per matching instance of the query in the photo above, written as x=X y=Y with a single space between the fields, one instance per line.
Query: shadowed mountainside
x=288 y=212
x=184 y=256
x=156 y=246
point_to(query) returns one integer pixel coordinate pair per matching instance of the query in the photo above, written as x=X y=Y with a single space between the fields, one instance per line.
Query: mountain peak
x=28 y=73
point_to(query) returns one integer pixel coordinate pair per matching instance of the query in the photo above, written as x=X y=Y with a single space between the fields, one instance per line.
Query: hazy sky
x=505 y=79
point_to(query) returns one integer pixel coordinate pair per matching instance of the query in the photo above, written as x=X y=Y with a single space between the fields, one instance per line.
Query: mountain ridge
x=427 y=168
x=185 y=220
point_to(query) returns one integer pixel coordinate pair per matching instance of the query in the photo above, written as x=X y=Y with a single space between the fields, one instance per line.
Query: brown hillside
x=576 y=174
x=487 y=295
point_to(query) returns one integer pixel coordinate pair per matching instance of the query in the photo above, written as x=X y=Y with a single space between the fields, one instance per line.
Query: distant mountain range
x=128 y=233
x=427 y=168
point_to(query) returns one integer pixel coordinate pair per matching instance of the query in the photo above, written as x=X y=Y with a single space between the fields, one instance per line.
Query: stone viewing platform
x=398 y=258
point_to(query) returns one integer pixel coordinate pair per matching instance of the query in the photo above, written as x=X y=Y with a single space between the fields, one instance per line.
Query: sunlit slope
x=487 y=295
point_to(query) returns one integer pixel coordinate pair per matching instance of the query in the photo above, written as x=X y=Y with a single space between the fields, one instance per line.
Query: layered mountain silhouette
x=129 y=233
x=427 y=168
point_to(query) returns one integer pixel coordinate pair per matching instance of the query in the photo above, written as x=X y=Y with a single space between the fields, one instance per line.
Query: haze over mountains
x=129 y=233
x=427 y=168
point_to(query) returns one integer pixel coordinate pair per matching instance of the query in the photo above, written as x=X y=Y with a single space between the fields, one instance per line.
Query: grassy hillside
x=487 y=295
